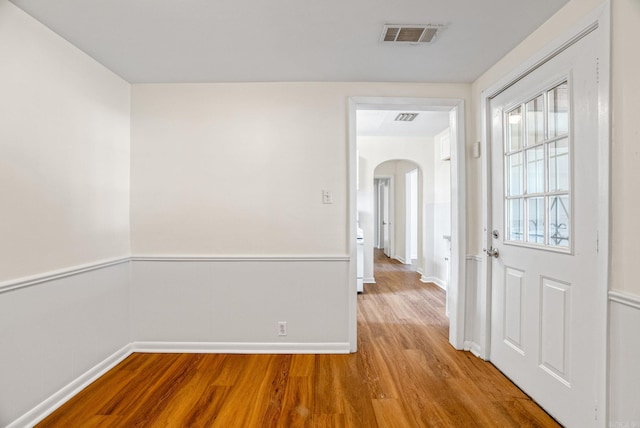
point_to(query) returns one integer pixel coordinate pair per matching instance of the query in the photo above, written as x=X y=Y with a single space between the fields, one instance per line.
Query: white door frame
x=456 y=292
x=599 y=18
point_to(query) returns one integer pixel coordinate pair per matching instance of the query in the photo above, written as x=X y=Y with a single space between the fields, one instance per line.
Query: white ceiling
x=290 y=40
x=381 y=123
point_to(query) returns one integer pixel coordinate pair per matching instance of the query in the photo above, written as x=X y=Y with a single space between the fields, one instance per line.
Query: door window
x=537 y=162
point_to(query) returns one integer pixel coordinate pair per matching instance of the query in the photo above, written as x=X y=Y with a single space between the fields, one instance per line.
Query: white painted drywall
x=64 y=152
x=64 y=187
x=625 y=167
x=239 y=169
x=441 y=212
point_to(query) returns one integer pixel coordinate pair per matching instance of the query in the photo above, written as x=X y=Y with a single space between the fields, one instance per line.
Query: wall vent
x=406 y=117
x=412 y=34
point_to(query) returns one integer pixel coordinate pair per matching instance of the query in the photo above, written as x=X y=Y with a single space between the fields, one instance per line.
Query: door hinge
x=595 y=409
x=597 y=70
x=597 y=242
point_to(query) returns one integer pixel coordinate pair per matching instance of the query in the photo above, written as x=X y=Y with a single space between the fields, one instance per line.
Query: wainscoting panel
x=555 y=335
x=513 y=302
x=221 y=302
x=624 y=358
x=54 y=330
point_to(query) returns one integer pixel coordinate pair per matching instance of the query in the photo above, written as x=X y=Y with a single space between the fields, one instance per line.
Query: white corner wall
x=234 y=173
x=64 y=139
x=64 y=186
x=624 y=351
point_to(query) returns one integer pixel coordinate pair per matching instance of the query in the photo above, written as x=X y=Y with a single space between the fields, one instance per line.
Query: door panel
x=544 y=208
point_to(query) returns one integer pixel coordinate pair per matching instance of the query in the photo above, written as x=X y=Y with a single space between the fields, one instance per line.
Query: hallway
x=403 y=330
x=405 y=374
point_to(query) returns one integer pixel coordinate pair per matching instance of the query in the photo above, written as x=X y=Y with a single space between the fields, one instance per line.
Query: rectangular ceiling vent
x=412 y=34
x=406 y=117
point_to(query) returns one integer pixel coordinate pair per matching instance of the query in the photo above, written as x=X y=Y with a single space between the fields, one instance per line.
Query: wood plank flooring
x=405 y=374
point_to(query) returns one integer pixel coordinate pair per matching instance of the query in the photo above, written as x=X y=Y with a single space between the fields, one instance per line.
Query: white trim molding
x=369 y=280
x=28 y=281
x=240 y=258
x=437 y=281
x=625 y=298
x=48 y=406
x=472 y=347
x=241 y=348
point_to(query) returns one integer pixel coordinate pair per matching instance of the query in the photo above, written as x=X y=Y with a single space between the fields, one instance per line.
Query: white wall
x=64 y=186
x=238 y=169
x=64 y=144
x=441 y=213
x=625 y=202
x=625 y=79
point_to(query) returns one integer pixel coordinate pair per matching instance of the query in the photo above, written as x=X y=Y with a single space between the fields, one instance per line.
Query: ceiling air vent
x=406 y=117
x=410 y=33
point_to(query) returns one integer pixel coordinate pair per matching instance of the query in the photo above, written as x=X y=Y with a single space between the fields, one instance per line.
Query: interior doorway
x=362 y=194
x=399 y=216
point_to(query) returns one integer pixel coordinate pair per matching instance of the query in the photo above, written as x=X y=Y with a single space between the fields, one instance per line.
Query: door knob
x=493 y=252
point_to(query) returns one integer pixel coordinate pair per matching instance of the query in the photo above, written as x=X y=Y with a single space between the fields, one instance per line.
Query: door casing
x=456 y=293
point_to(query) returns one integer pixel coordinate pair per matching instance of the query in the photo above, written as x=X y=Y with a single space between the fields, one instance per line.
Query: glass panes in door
x=538 y=170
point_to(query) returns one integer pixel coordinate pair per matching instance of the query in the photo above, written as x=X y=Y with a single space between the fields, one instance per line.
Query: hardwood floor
x=405 y=374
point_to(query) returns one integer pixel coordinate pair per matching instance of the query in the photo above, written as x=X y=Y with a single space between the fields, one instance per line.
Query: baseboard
x=241 y=348
x=400 y=259
x=48 y=406
x=369 y=280
x=437 y=281
x=472 y=347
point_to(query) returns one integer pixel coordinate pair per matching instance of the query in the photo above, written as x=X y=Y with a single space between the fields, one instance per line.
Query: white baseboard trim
x=472 y=347
x=28 y=281
x=369 y=280
x=241 y=348
x=625 y=298
x=231 y=258
x=437 y=281
x=400 y=259
x=56 y=400
x=420 y=271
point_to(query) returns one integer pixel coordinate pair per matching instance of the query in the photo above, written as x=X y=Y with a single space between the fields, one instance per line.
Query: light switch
x=327 y=197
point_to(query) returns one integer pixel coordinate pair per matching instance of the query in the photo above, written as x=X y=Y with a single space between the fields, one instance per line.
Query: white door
x=544 y=208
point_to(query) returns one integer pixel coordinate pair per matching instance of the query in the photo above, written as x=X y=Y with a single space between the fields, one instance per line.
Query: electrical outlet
x=282 y=328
